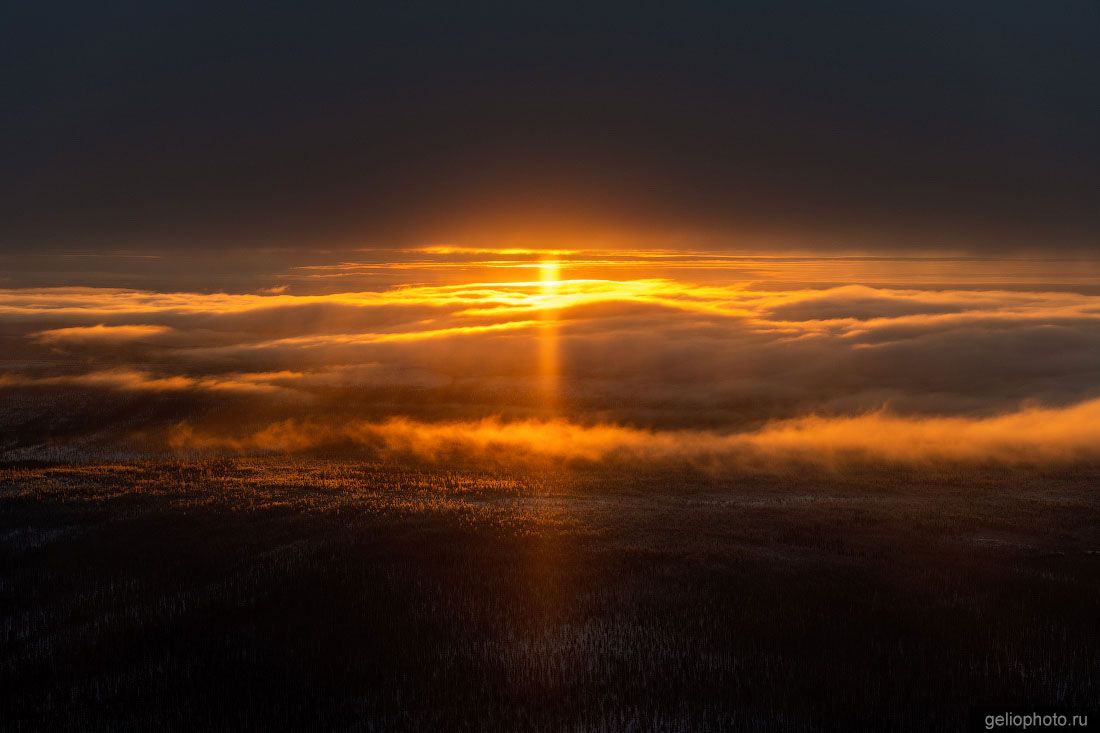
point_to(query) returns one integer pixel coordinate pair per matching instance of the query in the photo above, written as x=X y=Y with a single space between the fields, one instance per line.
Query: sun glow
x=549 y=337
x=590 y=338
x=551 y=275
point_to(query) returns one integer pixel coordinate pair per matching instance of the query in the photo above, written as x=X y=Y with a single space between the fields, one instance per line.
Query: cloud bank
x=1027 y=437
x=646 y=350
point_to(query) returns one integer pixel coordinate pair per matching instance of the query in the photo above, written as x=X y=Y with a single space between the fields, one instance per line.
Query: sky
x=751 y=233
x=786 y=125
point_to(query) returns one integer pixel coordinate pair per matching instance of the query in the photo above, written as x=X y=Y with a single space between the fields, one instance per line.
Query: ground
x=329 y=593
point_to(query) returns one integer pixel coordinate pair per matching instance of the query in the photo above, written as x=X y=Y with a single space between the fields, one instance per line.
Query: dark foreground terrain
x=370 y=596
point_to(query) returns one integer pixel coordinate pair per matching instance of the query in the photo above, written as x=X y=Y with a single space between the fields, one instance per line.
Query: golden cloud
x=100 y=333
x=143 y=381
x=576 y=338
x=1027 y=436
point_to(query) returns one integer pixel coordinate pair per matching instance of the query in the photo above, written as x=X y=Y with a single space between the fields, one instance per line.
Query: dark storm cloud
x=851 y=125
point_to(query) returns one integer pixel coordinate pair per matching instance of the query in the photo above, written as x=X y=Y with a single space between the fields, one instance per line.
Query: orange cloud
x=658 y=339
x=142 y=381
x=1027 y=436
x=100 y=333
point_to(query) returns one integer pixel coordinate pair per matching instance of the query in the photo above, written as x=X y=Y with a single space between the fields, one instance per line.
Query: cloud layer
x=1030 y=436
x=644 y=348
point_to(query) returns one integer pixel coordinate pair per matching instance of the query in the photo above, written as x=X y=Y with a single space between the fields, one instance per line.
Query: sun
x=550 y=275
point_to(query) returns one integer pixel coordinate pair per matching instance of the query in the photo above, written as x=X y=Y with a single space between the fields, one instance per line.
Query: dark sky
x=835 y=125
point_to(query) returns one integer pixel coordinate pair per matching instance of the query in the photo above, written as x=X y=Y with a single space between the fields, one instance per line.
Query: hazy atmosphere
x=859 y=125
x=592 y=367
x=583 y=353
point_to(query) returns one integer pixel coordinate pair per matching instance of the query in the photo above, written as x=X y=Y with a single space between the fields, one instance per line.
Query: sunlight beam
x=549 y=339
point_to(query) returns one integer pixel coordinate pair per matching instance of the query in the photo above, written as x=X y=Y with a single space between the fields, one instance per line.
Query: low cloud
x=132 y=380
x=664 y=343
x=100 y=333
x=1031 y=436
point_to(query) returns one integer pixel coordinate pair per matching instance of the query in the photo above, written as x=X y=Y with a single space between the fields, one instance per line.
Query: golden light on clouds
x=642 y=347
x=1030 y=436
x=548 y=339
x=101 y=332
